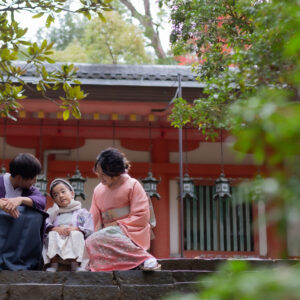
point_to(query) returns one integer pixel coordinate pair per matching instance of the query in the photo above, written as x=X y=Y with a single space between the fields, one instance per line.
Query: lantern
x=188 y=187
x=222 y=187
x=41 y=184
x=257 y=190
x=150 y=185
x=77 y=182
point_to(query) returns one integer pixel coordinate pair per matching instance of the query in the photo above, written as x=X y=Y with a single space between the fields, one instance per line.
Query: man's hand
x=10 y=205
x=2 y=202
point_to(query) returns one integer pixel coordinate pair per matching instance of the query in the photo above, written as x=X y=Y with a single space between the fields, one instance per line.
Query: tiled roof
x=129 y=75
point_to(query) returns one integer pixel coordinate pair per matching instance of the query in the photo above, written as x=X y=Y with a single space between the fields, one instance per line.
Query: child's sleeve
x=85 y=222
x=48 y=225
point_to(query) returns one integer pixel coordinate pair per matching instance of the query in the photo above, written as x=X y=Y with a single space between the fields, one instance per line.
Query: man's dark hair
x=112 y=162
x=26 y=165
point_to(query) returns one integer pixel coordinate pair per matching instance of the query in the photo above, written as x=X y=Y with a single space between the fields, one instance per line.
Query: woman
x=120 y=209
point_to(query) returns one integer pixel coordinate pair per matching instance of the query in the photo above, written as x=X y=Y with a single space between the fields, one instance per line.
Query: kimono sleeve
x=85 y=222
x=136 y=225
x=48 y=225
x=39 y=201
x=96 y=213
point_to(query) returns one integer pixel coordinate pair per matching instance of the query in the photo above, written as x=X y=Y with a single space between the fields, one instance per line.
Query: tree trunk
x=149 y=27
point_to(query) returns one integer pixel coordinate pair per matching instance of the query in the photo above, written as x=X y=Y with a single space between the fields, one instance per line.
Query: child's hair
x=26 y=165
x=57 y=181
x=112 y=162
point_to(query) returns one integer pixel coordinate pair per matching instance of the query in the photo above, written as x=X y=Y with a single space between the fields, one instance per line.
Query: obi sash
x=114 y=214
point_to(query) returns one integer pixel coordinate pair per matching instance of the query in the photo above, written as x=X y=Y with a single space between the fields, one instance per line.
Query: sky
x=33 y=25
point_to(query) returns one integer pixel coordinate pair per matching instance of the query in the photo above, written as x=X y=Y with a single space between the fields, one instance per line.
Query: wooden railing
x=218 y=224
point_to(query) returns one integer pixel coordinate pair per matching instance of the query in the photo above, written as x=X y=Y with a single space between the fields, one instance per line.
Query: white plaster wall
x=11 y=152
x=89 y=186
x=210 y=153
x=91 y=148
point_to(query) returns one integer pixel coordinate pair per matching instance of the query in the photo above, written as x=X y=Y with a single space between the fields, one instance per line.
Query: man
x=22 y=215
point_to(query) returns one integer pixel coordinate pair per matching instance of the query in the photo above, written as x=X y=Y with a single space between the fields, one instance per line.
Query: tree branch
x=147 y=22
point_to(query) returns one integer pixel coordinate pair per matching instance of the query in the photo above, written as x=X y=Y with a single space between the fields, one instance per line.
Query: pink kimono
x=121 y=247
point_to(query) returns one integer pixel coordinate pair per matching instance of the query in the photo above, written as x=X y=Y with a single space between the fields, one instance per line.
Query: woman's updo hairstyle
x=112 y=162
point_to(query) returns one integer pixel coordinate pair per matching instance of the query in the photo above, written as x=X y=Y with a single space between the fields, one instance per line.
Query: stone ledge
x=3 y=291
x=142 y=277
x=189 y=275
x=91 y=292
x=155 y=291
x=34 y=291
x=142 y=292
x=12 y=277
x=214 y=263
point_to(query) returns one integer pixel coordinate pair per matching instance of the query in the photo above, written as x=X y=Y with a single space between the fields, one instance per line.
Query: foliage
x=74 y=52
x=151 y=22
x=241 y=47
x=114 y=42
x=66 y=30
x=236 y=280
x=249 y=61
x=12 y=43
x=249 y=52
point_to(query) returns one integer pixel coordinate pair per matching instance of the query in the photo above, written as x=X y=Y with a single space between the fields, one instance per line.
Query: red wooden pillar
x=160 y=246
x=276 y=232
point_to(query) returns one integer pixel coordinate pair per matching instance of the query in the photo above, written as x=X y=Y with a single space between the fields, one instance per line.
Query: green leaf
x=49 y=60
x=38 y=15
x=66 y=115
x=101 y=17
x=44 y=44
x=50 y=19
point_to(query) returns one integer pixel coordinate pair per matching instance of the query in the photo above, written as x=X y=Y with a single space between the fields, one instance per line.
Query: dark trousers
x=21 y=239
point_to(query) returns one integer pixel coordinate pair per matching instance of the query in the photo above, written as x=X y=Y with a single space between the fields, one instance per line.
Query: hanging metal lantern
x=188 y=187
x=77 y=182
x=257 y=190
x=41 y=184
x=222 y=187
x=3 y=170
x=150 y=185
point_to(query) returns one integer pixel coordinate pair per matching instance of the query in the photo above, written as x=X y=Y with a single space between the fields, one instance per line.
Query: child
x=67 y=227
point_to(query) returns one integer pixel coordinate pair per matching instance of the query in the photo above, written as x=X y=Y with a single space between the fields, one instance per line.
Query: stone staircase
x=177 y=275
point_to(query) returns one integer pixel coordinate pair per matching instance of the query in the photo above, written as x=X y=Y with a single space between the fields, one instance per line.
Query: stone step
x=134 y=284
x=36 y=291
x=101 y=278
x=177 y=275
x=213 y=264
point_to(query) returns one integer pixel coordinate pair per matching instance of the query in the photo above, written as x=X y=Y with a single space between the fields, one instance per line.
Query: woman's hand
x=111 y=224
